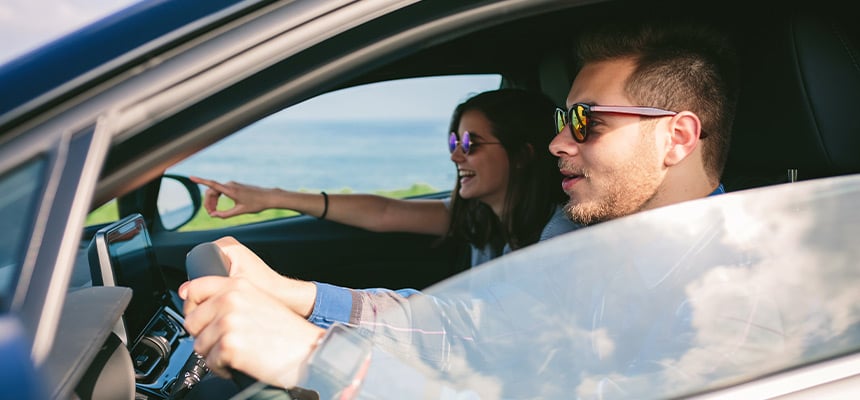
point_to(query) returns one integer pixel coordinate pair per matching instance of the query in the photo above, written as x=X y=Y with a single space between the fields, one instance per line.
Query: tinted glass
x=19 y=191
x=677 y=300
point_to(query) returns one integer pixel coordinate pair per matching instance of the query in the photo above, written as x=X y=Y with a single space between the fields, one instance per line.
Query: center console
x=163 y=355
x=162 y=352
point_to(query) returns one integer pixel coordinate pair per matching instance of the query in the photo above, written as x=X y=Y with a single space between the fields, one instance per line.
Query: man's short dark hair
x=680 y=66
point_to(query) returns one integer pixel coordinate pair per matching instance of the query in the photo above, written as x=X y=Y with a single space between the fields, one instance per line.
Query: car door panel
x=311 y=249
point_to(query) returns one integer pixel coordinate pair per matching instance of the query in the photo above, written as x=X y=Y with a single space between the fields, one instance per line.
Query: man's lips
x=570 y=176
x=568 y=181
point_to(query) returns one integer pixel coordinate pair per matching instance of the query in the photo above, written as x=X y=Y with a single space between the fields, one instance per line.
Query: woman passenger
x=507 y=195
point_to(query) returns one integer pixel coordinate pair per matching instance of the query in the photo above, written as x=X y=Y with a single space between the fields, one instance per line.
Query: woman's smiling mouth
x=465 y=174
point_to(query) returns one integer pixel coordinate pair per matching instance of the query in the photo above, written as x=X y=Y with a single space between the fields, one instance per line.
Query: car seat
x=798 y=108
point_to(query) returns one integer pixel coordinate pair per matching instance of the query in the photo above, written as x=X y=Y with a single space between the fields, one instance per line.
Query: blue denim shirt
x=557 y=225
x=719 y=190
x=335 y=303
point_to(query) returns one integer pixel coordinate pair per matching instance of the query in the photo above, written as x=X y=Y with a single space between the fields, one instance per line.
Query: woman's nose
x=458 y=155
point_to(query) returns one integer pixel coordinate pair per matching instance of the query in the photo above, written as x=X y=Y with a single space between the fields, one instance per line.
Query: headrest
x=798 y=106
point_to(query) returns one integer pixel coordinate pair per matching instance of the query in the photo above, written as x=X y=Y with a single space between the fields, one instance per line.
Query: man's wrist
x=298 y=295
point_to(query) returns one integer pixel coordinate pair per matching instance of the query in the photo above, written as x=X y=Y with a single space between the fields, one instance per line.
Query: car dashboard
x=121 y=332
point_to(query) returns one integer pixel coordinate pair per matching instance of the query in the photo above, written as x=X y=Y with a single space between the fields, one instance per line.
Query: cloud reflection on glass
x=674 y=301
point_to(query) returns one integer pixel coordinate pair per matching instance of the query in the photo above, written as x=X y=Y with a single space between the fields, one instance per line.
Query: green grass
x=202 y=220
x=104 y=214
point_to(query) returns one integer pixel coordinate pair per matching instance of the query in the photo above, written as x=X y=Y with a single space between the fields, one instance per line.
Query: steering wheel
x=206 y=259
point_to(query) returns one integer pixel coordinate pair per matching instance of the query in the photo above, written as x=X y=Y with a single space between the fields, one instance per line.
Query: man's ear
x=686 y=128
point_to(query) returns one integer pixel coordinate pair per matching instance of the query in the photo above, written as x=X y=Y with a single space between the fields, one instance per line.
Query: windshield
x=664 y=303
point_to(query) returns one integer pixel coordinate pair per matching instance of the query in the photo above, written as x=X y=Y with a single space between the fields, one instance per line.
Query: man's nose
x=563 y=144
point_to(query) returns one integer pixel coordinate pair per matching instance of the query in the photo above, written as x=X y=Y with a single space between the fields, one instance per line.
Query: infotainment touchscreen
x=121 y=255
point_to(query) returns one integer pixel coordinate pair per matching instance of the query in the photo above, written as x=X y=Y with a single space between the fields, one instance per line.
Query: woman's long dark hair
x=523 y=122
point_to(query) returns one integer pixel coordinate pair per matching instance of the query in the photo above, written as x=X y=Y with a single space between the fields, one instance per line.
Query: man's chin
x=582 y=213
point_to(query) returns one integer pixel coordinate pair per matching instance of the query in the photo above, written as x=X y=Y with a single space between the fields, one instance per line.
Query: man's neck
x=679 y=186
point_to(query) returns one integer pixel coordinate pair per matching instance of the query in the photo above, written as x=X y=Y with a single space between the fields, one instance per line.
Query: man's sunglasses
x=465 y=142
x=580 y=113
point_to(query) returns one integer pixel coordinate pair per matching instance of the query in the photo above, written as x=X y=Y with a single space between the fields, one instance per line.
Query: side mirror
x=178 y=201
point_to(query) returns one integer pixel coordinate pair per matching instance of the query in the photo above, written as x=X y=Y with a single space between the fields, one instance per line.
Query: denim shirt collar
x=719 y=190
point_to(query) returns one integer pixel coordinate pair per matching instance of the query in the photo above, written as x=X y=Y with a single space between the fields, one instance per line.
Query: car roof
x=779 y=125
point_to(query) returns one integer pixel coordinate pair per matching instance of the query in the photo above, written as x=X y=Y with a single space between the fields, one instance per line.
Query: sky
x=407 y=99
x=28 y=24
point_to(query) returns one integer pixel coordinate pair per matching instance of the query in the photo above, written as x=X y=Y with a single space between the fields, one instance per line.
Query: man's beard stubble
x=617 y=193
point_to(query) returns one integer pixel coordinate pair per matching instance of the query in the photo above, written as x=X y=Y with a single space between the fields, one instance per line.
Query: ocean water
x=361 y=155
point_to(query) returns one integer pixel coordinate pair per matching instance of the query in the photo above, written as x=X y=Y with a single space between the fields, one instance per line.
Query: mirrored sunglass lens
x=559 y=120
x=466 y=142
x=452 y=142
x=580 y=123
